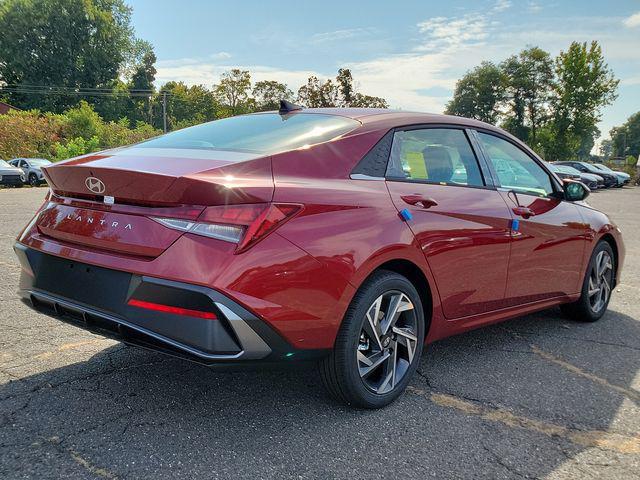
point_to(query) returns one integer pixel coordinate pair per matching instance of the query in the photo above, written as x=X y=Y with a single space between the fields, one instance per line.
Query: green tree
x=606 y=148
x=187 y=105
x=625 y=139
x=479 y=94
x=318 y=94
x=141 y=89
x=338 y=93
x=69 y=43
x=82 y=122
x=367 y=101
x=584 y=85
x=529 y=82
x=233 y=91
x=268 y=93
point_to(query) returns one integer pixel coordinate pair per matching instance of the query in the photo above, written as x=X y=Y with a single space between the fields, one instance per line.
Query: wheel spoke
x=371 y=363
x=390 y=373
x=606 y=289
x=398 y=304
x=593 y=289
x=372 y=325
x=408 y=340
x=599 y=260
x=390 y=327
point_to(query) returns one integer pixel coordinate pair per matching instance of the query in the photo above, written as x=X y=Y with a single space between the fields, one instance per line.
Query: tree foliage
x=625 y=139
x=268 y=93
x=339 y=93
x=77 y=131
x=234 y=91
x=584 y=85
x=554 y=105
x=529 y=83
x=479 y=94
x=69 y=43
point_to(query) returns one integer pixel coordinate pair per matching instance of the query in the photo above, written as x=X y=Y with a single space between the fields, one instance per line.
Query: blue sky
x=410 y=52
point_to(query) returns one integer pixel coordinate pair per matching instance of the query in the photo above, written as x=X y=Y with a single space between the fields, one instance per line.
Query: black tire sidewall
x=352 y=327
x=585 y=304
x=33 y=180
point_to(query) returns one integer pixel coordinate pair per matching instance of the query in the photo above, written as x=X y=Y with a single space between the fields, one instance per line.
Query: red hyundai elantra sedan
x=350 y=237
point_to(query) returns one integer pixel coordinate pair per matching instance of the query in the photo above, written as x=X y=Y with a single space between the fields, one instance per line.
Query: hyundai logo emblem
x=95 y=185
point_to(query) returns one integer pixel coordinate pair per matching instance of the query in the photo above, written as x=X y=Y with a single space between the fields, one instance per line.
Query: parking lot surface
x=535 y=397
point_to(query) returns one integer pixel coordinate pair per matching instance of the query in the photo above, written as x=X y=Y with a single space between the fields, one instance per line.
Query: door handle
x=524 y=212
x=419 y=200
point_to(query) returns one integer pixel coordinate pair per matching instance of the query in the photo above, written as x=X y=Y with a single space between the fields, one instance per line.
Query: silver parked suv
x=31 y=168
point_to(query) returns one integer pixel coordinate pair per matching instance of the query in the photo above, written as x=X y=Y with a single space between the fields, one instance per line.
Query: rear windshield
x=259 y=133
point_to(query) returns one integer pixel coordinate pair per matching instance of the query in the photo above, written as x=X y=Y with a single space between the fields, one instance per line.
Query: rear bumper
x=96 y=299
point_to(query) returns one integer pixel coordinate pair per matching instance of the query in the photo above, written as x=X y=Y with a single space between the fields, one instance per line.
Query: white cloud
x=630 y=81
x=453 y=32
x=338 y=35
x=201 y=72
x=632 y=21
x=501 y=5
x=533 y=7
x=221 y=55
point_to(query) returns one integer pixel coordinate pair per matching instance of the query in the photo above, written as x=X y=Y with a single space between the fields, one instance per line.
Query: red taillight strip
x=158 y=307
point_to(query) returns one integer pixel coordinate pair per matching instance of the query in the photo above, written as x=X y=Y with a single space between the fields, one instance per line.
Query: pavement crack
x=77 y=457
x=504 y=464
x=606 y=440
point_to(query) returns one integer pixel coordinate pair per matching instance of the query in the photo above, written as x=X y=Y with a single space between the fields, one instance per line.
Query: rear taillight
x=243 y=225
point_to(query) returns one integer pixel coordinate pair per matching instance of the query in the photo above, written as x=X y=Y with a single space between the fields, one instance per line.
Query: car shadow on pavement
x=515 y=399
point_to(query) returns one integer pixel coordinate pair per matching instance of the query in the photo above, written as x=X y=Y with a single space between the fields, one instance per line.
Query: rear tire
x=376 y=351
x=596 y=287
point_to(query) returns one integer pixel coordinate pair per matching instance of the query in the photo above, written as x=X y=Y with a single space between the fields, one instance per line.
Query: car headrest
x=439 y=164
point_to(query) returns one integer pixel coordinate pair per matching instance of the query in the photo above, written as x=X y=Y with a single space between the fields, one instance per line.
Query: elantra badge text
x=90 y=220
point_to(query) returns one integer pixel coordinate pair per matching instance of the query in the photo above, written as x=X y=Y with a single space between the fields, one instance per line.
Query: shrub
x=75 y=147
x=78 y=131
x=29 y=134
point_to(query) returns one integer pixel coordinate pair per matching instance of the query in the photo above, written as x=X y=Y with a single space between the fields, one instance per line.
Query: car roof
x=396 y=117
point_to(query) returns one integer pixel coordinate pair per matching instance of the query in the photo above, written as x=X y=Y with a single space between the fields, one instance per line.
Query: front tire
x=596 y=287
x=379 y=345
x=33 y=180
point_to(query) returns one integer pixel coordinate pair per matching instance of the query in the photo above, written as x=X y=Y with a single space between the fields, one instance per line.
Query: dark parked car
x=623 y=177
x=610 y=179
x=10 y=175
x=564 y=171
x=561 y=171
x=32 y=168
x=347 y=237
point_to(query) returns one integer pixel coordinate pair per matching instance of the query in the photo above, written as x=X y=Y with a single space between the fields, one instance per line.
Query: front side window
x=258 y=133
x=438 y=155
x=515 y=169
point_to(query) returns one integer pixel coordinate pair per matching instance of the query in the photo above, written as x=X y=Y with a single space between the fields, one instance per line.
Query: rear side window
x=515 y=169
x=259 y=133
x=438 y=155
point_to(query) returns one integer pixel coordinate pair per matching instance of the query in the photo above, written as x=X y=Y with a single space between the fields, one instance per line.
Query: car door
x=24 y=166
x=549 y=234
x=461 y=224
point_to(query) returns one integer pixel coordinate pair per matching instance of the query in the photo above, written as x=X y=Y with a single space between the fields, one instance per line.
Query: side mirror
x=575 y=191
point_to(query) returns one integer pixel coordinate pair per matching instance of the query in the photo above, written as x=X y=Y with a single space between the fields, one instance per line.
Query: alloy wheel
x=388 y=341
x=600 y=281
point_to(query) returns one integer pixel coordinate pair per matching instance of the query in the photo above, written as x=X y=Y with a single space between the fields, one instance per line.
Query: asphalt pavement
x=534 y=397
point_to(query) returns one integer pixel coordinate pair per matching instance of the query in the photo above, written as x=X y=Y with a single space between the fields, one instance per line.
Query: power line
x=71 y=92
x=65 y=87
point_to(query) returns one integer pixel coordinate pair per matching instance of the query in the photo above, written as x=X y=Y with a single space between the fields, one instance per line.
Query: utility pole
x=164 y=111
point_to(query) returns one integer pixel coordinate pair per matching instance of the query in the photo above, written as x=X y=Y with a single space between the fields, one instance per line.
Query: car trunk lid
x=107 y=201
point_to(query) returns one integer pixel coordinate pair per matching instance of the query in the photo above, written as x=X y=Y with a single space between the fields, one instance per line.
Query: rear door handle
x=419 y=200
x=523 y=212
